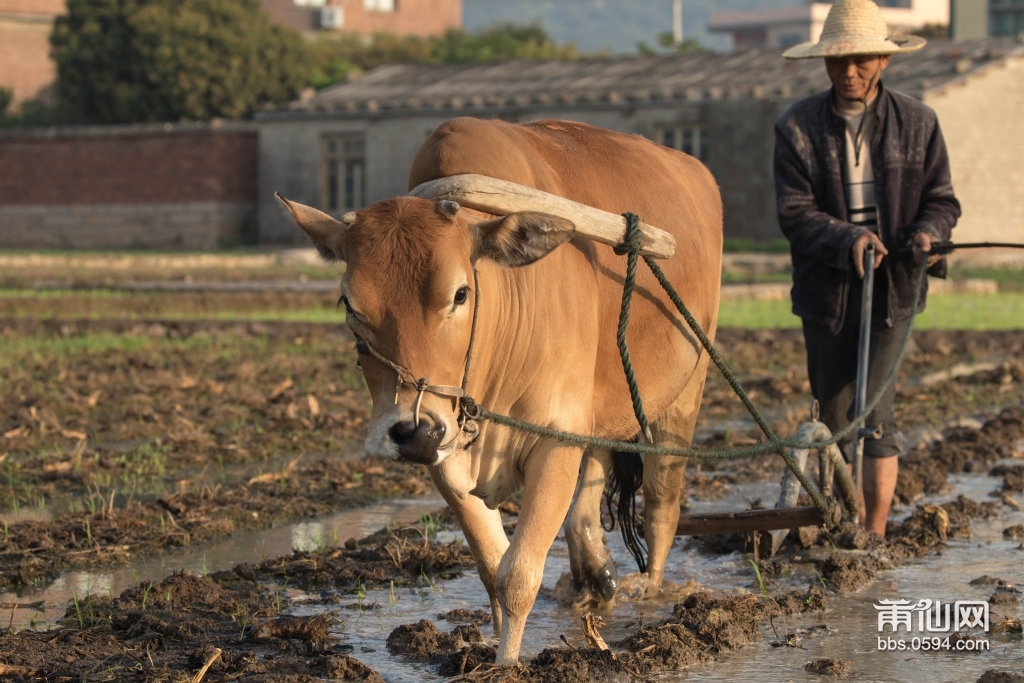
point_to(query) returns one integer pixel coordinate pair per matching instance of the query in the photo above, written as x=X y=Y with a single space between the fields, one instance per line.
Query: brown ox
x=545 y=347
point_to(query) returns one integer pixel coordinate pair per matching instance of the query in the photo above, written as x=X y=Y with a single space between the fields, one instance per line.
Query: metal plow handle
x=501 y=198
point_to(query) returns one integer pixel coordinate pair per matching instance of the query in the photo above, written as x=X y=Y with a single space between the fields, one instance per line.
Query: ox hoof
x=599 y=583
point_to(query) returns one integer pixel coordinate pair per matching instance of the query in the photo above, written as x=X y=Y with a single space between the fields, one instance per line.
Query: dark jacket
x=912 y=189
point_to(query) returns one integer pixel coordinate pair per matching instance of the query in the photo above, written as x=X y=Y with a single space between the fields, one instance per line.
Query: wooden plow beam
x=501 y=198
x=751 y=520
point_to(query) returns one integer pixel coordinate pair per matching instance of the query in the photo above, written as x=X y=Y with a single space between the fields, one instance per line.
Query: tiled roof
x=755 y=73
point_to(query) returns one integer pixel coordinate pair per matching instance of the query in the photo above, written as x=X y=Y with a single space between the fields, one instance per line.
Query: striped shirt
x=859 y=178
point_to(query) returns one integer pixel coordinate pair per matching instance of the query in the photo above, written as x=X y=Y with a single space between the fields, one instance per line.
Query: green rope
x=631 y=247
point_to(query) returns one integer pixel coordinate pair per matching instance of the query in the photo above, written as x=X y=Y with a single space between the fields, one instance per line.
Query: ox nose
x=418 y=444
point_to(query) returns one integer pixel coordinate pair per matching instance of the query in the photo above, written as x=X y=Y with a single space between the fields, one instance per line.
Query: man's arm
x=805 y=225
x=939 y=208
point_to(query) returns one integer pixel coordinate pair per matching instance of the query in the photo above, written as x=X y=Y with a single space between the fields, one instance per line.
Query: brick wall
x=981 y=120
x=125 y=168
x=411 y=17
x=125 y=186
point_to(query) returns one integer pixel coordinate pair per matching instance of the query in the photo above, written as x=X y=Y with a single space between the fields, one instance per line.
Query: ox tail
x=626 y=478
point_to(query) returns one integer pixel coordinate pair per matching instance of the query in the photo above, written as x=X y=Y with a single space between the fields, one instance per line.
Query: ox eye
x=461 y=295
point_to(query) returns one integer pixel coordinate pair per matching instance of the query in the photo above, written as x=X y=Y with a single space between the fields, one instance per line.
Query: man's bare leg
x=879 y=485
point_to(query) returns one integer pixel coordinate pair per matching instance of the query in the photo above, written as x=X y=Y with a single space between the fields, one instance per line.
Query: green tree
x=335 y=57
x=122 y=61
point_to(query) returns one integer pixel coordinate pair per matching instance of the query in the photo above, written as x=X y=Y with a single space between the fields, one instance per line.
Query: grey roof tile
x=757 y=73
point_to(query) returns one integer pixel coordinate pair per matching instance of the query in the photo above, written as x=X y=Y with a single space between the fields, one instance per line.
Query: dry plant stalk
x=591 y=623
x=206 y=667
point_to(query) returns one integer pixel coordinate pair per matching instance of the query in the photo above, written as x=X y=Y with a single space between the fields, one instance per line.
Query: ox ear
x=519 y=239
x=326 y=233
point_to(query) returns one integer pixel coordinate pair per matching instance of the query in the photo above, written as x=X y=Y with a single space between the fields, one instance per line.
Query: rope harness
x=470 y=412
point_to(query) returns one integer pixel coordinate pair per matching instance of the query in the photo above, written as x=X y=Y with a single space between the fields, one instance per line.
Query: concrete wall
x=739 y=134
x=128 y=186
x=984 y=130
x=179 y=225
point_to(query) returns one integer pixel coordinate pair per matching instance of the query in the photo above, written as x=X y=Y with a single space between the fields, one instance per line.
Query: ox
x=544 y=347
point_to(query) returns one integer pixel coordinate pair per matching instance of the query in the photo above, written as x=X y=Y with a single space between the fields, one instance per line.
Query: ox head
x=408 y=291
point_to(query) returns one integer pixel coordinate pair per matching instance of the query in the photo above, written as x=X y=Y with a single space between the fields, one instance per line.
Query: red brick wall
x=411 y=17
x=129 y=168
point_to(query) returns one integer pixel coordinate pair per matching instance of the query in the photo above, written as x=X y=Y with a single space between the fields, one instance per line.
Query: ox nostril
x=402 y=433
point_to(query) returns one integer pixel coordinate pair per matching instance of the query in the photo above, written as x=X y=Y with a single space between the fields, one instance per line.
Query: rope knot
x=470 y=408
x=633 y=241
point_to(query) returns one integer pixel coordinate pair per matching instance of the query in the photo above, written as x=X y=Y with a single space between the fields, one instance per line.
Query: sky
x=611 y=25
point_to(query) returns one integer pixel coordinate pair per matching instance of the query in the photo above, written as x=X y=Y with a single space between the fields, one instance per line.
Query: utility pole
x=677 y=21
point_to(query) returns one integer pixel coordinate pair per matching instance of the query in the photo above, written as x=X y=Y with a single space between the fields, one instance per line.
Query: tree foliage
x=335 y=57
x=164 y=60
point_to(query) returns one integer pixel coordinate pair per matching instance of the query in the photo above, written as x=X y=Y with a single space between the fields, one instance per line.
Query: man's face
x=856 y=77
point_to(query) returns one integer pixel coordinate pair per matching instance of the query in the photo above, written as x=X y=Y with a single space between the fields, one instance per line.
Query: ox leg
x=664 y=475
x=485 y=536
x=551 y=473
x=593 y=570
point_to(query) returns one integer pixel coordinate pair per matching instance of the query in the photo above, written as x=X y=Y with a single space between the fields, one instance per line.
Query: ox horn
x=501 y=198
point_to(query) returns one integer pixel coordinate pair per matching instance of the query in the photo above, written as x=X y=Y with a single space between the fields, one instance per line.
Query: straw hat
x=854 y=27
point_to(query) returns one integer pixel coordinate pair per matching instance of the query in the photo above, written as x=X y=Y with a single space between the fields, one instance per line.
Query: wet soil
x=234 y=621
x=34 y=551
x=701 y=627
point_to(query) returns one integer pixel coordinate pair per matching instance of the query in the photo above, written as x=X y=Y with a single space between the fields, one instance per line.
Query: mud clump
x=467 y=660
x=996 y=440
x=346 y=668
x=845 y=574
x=423 y=642
x=403 y=555
x=932 y=525
x=829 y=667
x=993 y=676
x=853 y=536
x=1013 y=477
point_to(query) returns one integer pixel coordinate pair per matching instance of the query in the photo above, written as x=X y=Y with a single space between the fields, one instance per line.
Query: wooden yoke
x=501 y=198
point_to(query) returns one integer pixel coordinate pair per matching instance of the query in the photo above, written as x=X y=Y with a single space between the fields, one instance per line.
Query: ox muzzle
x=419 y=443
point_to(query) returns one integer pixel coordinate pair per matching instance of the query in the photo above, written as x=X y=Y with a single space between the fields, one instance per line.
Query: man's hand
x=923 y=245
x=861 y=245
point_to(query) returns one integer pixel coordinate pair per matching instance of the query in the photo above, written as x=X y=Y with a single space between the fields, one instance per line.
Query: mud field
x=124 y=440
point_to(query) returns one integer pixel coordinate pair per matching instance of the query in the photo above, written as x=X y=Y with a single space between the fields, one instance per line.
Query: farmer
x=856 y=165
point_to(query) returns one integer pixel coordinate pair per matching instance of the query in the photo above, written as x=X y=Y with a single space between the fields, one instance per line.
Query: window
x=1006 y=17
x=343 y=172
x=686 y=138
x=379 y=5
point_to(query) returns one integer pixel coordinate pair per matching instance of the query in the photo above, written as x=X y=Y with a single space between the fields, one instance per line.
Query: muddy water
x=850 y=633
x=250 y=546
x=851 y=620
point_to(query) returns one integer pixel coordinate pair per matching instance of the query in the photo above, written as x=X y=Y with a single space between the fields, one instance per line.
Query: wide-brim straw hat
x=854 y=27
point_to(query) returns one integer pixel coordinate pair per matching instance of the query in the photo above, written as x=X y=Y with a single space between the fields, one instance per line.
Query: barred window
x=343 y=172
x=692 y=139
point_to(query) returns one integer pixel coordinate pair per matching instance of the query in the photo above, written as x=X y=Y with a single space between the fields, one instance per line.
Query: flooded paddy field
x=173 y=485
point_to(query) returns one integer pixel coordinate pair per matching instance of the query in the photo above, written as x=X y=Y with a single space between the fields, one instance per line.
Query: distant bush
x=746 y=244
x=122 y=61
x=335 y=57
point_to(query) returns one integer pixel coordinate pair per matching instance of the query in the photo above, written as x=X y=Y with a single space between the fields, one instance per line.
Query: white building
x=783 y=27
